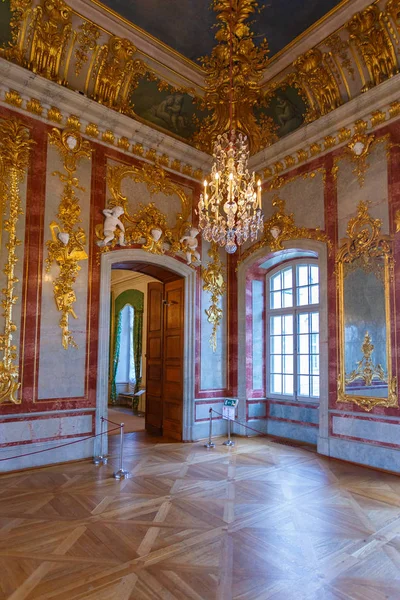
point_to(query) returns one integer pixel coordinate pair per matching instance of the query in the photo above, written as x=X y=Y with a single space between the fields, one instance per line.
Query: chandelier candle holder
x=230 y=207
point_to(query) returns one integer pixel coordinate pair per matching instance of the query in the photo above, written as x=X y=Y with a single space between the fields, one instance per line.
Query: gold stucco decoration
x=214 y=283
x=15 y=147
x=67 y=245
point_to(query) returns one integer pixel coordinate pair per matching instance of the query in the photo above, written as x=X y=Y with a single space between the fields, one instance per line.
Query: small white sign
x=228 y=413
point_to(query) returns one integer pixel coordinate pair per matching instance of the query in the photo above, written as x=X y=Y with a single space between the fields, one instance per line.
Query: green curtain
x=136 y=300
x=116 y=349
x=137 y=347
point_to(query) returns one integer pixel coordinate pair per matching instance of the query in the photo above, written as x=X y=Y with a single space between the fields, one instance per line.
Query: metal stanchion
x=229 y=441
x=101 y=459
x=210 y=444
x=121 y=473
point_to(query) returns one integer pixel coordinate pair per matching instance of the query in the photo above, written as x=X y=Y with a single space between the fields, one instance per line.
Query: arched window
x=293 y=331
x=126 y=363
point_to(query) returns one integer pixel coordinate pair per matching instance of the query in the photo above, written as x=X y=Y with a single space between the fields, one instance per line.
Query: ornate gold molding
x=15 y=146
x=214 y=283
x=67 y=246
x=281 y=227
x=364 y=246
x=148 y=225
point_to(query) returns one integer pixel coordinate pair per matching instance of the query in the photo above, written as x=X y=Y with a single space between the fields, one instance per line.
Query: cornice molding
x=50 y=94
x=362 y=107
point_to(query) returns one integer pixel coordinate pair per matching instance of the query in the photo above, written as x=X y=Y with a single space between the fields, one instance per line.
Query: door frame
x=189 y=275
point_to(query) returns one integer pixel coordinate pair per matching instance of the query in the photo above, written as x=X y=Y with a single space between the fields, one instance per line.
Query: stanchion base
x=121 y=474
x=228 y=443
x=105 y=460
x=209 y=445
x=97 y=460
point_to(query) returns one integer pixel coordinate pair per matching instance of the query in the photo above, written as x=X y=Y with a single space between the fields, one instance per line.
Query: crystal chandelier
x=230 y=206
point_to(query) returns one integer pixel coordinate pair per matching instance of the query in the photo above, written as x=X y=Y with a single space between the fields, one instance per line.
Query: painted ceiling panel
x=187 y=25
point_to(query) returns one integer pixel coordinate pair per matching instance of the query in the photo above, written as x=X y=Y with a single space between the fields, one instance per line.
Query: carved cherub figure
x=190 y=245
x=112 y=224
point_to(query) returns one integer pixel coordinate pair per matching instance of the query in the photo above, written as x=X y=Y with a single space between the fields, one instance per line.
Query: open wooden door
x=154 y=359
x=173 y=359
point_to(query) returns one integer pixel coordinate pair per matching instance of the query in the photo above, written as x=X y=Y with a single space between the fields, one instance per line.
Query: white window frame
x=295 y=311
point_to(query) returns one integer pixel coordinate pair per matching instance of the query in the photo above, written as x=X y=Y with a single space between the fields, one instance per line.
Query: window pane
x=287 y=278
x=302 y=296
x=288 y=364
x=288 y=324
x=314 y=343
x=276 y=344
x=302 y=275
x=276 y=325
x=314 y=275
x=287 y=298
x=314 y=296
x=314 y=360
x=276 y=363
x=288 y=344
x=304 y=385
x=303 y=323
x=315 y=387
x=276 y=384
x=303 y=344
x=315 y=322
x=303 y=363
x=276 y=300
x=288 y=385
x=276 y=282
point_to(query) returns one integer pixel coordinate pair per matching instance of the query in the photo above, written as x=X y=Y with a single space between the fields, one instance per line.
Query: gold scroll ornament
x=15 y=146
x=214 y=283
x=67 y=246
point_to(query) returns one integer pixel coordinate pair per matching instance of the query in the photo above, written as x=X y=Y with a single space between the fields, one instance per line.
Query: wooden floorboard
x=260 y=521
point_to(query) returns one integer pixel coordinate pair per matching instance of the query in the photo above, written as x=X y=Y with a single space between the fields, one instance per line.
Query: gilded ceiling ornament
x=214 y=283
x=15 y=147
x=87 y=40
x=369 y=36
x=148 y=225
x=67 y=245
x=281 y=227
x=248 y=64
x=51 y=31
x=317 y=77
x=116 y=74
x=393 y=9
x=20 y=10
x=339 y=49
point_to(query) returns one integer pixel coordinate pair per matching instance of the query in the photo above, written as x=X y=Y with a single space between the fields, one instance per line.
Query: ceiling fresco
x=187 y=25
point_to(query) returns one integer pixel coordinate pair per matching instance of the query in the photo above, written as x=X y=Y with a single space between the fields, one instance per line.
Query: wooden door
x=154 y=359
x=173 y=359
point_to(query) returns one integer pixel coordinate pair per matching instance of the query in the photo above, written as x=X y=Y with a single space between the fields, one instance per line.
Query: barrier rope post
x=98 y=460
x=210 y=444
x=121 y=473
x=229 y=441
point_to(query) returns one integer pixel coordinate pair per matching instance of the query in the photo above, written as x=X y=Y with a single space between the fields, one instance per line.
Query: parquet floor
x=258 y=522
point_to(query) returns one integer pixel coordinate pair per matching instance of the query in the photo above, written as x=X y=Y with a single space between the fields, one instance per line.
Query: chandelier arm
x=230 y=68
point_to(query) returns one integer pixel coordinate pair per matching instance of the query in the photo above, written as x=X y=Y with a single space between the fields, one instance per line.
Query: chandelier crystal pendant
x=230 y=206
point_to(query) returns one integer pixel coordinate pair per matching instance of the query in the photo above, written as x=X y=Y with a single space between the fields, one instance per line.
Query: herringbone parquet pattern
x=261 y=521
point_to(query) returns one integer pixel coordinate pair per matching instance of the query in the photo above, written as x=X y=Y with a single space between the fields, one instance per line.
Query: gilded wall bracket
x=15 y=146
x=67 y=245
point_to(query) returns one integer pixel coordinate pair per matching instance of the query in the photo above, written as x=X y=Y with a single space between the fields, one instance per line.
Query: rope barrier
x=62 y=445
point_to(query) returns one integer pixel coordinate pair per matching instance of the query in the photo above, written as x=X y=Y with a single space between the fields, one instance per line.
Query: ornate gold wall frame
x=364 y=268
x=67 y=245
x=15 y=147
x=148 y=225
x=281 y=227
x=214 y=283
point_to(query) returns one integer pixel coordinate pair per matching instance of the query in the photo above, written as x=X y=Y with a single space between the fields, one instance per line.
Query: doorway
x=174 y=270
